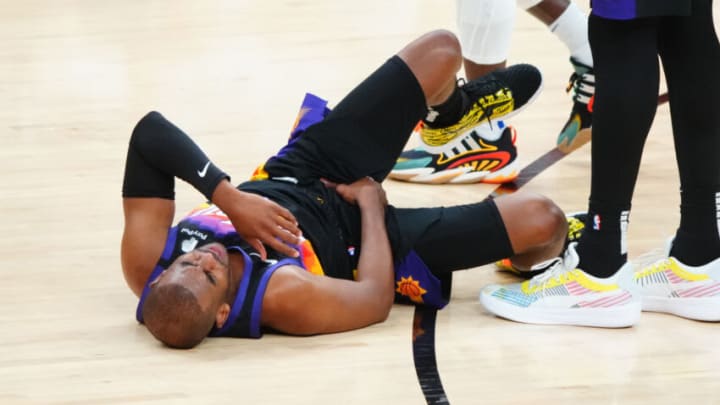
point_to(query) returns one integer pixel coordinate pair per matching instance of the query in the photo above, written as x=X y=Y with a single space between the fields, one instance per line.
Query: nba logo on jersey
x=597 y=221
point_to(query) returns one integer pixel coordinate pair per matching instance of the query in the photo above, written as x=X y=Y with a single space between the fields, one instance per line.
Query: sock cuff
x=449 y=111
x=571 y=27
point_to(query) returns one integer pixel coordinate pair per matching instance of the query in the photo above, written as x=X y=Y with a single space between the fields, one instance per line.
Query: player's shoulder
x=289 y=286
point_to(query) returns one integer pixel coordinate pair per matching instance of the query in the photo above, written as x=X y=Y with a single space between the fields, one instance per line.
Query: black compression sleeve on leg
x=160 y=151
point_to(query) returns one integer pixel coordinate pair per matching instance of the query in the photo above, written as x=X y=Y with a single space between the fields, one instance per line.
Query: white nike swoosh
x=203 y=172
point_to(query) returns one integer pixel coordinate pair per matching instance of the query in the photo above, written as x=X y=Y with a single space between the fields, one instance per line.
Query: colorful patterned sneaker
x=474 y=159
x=576 y=226
x=497 y=95
x=566 y=295
x=577 y=130
x=670 y=286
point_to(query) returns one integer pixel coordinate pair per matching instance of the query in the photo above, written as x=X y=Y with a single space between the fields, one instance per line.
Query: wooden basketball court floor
x=75 y=75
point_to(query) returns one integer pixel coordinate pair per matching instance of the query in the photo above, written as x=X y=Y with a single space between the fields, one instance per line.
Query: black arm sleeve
x=158 y=152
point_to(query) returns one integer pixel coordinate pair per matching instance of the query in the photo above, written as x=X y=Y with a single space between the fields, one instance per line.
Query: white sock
x=572 y=29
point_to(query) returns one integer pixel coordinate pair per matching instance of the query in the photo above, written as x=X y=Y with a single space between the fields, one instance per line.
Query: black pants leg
x=690 y=54
x=627 y=80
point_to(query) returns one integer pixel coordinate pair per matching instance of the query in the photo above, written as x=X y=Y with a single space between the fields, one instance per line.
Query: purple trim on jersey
x=260 y=294
x=167 y=252
x=615 y=9
x=240 y=296
x=312 y=110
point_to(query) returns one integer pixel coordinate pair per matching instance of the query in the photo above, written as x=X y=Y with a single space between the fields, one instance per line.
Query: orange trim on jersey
x=310 y=259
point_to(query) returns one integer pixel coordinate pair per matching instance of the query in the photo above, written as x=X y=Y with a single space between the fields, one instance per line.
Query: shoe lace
x=480 y=87
x=582 y=86
x=559 y=266
x=553 y=272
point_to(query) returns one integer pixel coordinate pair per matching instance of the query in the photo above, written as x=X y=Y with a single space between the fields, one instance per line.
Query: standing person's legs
x=691 y=57
x=485 y=28
x=567 y=22
x=686 y=282
x=366 y=131
x=627 y=73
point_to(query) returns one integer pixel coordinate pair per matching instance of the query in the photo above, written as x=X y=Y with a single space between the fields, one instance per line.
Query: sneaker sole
x=700 y=309
x=619 y=317
x=459 y=175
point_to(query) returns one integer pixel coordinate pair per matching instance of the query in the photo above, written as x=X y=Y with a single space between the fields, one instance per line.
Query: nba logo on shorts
x=597 y=221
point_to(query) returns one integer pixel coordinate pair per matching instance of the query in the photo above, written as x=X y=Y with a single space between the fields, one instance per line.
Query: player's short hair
x=172 y=314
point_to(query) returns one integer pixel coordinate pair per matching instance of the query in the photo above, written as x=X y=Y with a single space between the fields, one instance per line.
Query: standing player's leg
x=569 y=24
x=625 y=54
x=686 y=282
x=485 y=29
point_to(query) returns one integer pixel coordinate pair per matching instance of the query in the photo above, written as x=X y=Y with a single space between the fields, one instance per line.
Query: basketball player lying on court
x=211 y=275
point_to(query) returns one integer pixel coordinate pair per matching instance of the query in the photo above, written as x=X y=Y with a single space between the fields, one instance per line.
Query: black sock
x=602 y=247
x=450 y=111
x=697 y=241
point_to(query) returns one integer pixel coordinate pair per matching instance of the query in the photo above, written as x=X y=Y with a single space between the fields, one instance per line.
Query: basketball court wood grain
x=75 y=75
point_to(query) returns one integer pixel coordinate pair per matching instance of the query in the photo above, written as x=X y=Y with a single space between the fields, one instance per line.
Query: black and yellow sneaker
x=463 y=152
x=576 y=226
x=577 y=131
x=474 y=159
x=497 y=95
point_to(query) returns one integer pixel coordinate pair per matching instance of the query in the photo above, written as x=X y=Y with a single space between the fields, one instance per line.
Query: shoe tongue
x=547 y=264
x=571 y=258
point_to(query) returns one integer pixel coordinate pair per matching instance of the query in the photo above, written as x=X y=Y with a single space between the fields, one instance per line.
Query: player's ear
x=222 y=315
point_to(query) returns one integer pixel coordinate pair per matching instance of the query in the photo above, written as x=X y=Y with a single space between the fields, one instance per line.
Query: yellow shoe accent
x=488 y=107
